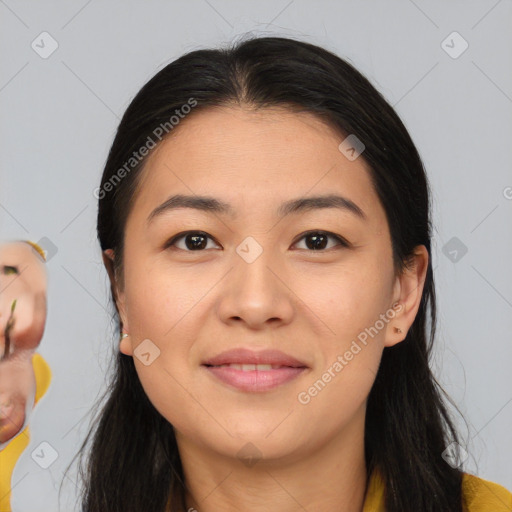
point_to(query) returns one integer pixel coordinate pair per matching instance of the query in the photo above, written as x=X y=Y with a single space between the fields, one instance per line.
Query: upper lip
x=247 y=356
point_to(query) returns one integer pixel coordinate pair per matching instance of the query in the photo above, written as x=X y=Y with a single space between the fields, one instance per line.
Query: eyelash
x=342 y=242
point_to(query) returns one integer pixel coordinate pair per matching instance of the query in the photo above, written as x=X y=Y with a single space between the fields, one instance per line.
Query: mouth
x=252 y=367
x=251 y=371
x=245 y=356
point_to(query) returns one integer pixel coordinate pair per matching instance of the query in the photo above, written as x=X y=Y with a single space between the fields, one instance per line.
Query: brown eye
x=318 y=240
x=194 y=241
x=10 y=269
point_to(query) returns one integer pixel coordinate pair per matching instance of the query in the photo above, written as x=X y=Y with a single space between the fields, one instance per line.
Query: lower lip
x=254 y=380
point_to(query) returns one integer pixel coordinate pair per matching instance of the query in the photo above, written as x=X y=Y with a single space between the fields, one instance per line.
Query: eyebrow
x=213 y=205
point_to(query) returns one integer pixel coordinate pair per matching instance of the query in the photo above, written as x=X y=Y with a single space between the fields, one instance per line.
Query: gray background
x=58 y=119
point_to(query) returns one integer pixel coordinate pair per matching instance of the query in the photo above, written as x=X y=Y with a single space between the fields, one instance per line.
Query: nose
x=256 y=293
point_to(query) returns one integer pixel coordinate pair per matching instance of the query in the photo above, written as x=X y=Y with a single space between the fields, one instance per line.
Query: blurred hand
x=17 y=390
x=23 y=284
x=22 y=278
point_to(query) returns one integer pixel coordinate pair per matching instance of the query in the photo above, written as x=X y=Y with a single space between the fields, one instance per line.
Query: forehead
x=252 y=158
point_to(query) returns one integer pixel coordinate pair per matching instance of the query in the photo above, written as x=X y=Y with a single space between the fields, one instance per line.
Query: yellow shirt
x=481 y=495
x=11 y=453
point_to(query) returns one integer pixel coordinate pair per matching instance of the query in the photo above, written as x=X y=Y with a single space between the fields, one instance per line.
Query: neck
x=330 y=477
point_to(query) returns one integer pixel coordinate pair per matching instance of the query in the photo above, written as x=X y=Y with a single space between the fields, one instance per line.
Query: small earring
x=398 y=330
x=123 y=336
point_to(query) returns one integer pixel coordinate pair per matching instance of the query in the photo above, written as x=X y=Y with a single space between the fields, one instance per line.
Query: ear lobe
x=125 y=346
x=408 y=293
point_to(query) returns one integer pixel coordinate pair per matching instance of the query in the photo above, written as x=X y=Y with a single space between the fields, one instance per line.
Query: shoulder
x=43 y=375
x=479 y=495
x=484 y=496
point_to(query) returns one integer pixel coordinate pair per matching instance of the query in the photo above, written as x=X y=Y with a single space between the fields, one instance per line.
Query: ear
x=119 y=298
x=407 y=293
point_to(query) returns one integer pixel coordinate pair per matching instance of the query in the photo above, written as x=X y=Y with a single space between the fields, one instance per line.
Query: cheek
x=350 y=356
x=352 y=305
x=156 y=300
x=160 y=308
x=334 y=396
x=349 y=300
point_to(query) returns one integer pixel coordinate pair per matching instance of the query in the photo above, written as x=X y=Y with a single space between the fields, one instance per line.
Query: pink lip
x=254 y=380
x=246 y=356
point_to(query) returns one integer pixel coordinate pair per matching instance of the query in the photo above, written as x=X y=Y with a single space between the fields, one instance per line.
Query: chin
x=248 y=442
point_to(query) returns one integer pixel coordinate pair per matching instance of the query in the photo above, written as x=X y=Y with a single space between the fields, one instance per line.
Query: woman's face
x=252 y=279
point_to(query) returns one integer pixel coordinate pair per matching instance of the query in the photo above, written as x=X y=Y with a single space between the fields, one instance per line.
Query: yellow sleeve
x=485 y=496
x=11 y=453
x=479 y=495
x=374 y=499
x=43 y=376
